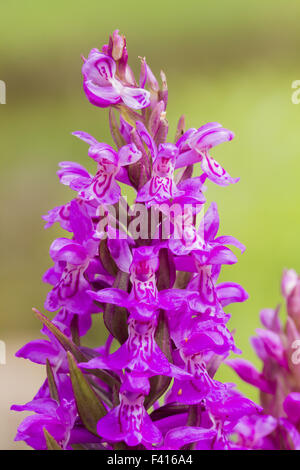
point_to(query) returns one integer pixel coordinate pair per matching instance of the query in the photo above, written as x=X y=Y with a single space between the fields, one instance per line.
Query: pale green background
x=227 y=61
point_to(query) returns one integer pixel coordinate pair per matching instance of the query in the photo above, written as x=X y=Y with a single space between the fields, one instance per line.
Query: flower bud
x=293 y=305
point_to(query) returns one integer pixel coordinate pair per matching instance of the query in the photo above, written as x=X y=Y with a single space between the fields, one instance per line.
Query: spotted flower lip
x=103 y=186
x=103 y=88
x=194 y=146
x=139 y=354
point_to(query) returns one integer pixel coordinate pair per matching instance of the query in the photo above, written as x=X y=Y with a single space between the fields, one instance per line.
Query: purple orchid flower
x=61 y=214
x=140 y=354
x=172 y=328
x=161 y=185
x=70 y=285
x=129 y=421
x=104 y=89
x=103 y=186
x=57 y=420
x=143 y=300
x=40 y=350
x=194 y=146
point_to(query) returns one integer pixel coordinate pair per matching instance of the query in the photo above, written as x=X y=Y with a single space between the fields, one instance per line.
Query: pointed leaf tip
x=52 y=444
x=90 y=408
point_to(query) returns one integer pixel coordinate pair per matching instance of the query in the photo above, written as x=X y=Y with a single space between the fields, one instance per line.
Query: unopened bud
x=288 y=281
x=293 y=305
x=118 y=45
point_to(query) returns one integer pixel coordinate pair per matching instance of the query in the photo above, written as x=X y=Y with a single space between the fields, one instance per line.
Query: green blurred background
x=227 y=61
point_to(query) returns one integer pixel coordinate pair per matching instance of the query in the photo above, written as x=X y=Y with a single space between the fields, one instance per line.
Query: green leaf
x=115 y=131
x=180 y=128
x=194 y=416
x=106 y=258
x=78 y=447
x=182 y=280
x=75 y=330
x=52 y=444
x=169 y=409
x=167 y=271
x=115 y=317
x=160 y=383
x=90 y=408
x=68 y=345
x=128 y=114
x=51 y=382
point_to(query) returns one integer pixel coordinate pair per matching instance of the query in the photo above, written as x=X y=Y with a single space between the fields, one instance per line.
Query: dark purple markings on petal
x=206 y=288
x=135 y=98
x=64 y=212
x=105 y=68
x=214 y=166
x=101 y=183
x=69 y=284
x=146 y=137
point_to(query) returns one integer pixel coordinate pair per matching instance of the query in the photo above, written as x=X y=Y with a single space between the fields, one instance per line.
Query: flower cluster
x=158 y=291
x=277 y=346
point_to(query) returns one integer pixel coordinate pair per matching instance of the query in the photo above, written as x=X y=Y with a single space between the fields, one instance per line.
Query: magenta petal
x=229 y=240
x=288 y=282
x=292 y=433
x=121 y=253
x=128 y=154
x=185 y=263
x=291 y=406
x=259 y=347
x=210 y=223
x=146 y=137
x=71 y=252
x=247 y=372
x=208 y=137
x=95 y=363
x=270 y=319
x=273 y=345
x=230 y=292
x=135 y=98
x=179 y=437
x=57 y=245
x=112 y=195
x=85 y=137
x=215 y=172
x=81 y=222
x=103 y=151
x=70 y=171
x=102 y=96
x=151 y=434
x=110 y=296
x=109 y=428
x=40 y=406
x=39 y=351
x=122 y=176
x=221 y=255
x=99 y=67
